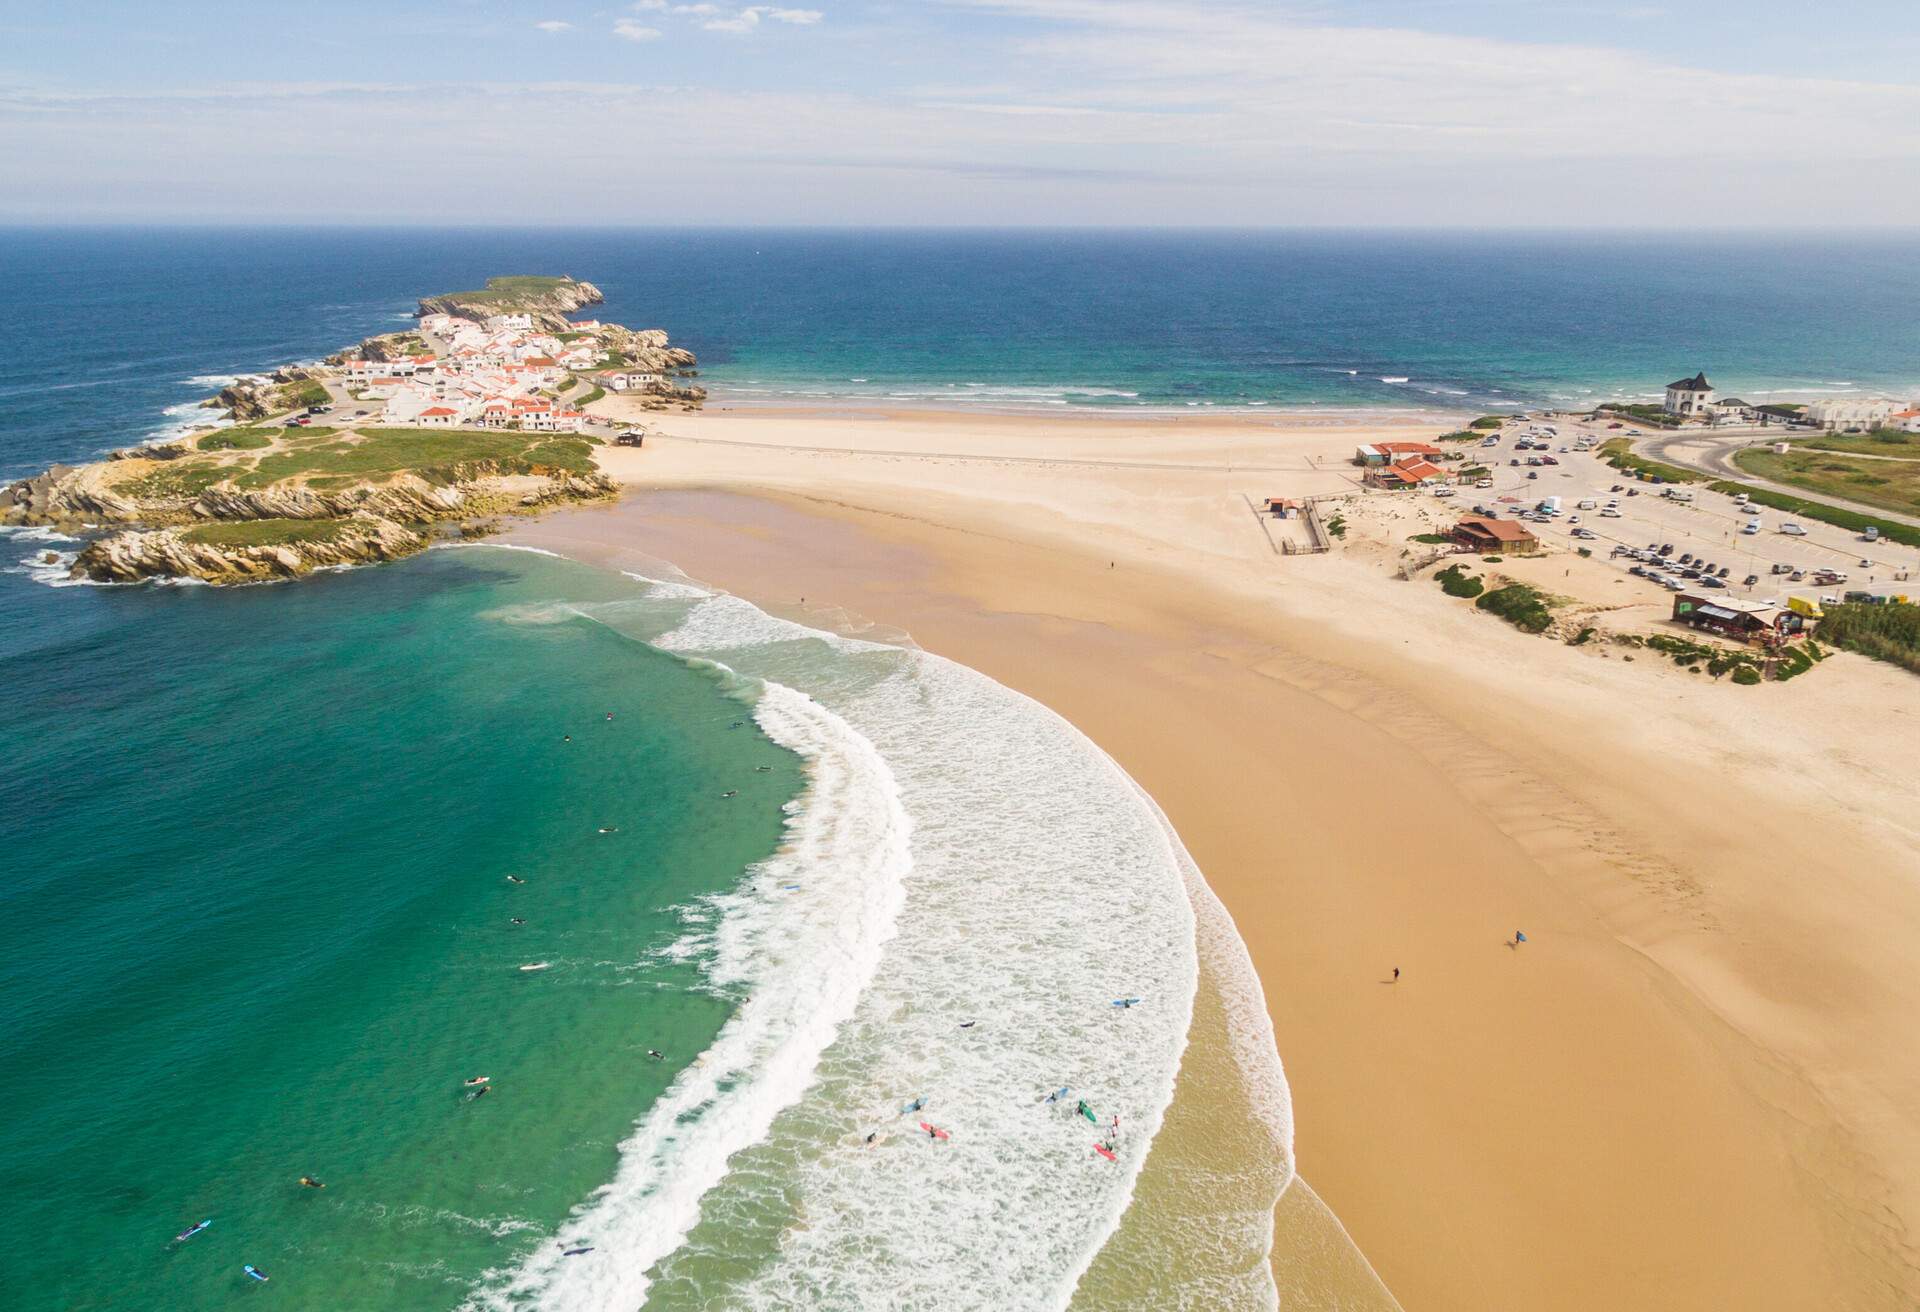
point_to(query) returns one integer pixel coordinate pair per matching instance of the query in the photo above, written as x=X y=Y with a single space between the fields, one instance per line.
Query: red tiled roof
x=438 y=410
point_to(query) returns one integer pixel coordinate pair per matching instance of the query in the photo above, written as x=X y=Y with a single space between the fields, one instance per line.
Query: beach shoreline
x=1679 y=1093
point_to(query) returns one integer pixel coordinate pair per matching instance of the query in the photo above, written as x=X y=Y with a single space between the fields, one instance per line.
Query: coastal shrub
x=1801 y=508
x=181 y=480
x=1746 y=676
x=1520 y=605
x=1586 y=551
x=590 y=397
x=1464 y=435
x=265 y=532
x=235 y=439
x=1486 y=422
x=1456 y=582
x=1583 y=637
x=1793 y=662
x=299 y=395
x=1434 y=539
x=436 y=454
x=1491 y=560
x=1889 y=632
x=1337 y=526
x=1477 y=471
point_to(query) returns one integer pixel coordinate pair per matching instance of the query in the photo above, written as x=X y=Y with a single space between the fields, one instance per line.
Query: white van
x=1793 y=530
x=1680 y=494
x=1752 y=526
x=1589 y=504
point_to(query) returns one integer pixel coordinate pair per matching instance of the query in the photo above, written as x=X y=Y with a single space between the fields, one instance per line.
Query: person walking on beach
x=1396 y=974
x=1519 y=937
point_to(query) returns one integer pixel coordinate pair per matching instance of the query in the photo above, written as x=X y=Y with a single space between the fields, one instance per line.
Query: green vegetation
x=508 y=292
x=1800 y=507
x=1456 y=582
x=1520 y=605
x=266 y=532
x=236 y=439
x=1486 y=423
x=439 y=455
x=1434 y=539
x=1886 y=484
x=1889 y=632
x=1583 y=637
x=568 y=337
x=1880 y=442
x=1474 y=471
x=1618 y=452
x=1644 y=414
x=1794 y=661
x=297 y=395
x=1464 y=435
x=1746 y=676
x=588 y=398
x=1337 y=526
x=180 y=480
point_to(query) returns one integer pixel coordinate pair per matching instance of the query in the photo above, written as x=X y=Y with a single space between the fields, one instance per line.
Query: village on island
x=476 y=411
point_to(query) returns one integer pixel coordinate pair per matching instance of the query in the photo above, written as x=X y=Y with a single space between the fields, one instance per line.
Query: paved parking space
x=1709 y=526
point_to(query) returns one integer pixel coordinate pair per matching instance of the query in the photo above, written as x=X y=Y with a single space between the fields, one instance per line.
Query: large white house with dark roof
x=1690 y=396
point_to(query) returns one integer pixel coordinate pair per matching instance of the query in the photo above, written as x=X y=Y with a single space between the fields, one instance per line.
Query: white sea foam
x=962 y=854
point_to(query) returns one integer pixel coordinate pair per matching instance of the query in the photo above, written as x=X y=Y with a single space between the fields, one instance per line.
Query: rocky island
x=479 y=411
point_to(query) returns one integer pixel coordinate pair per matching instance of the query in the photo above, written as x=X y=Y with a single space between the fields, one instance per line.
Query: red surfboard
x=933 y=1130
x=1105 y=1152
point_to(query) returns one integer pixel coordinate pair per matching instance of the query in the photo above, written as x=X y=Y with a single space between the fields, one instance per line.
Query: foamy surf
x=973 y=965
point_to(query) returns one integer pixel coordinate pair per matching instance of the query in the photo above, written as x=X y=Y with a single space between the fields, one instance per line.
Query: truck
x=1549 y=505
x=1588 y=503
x=1870 y=534
x=1679 y=494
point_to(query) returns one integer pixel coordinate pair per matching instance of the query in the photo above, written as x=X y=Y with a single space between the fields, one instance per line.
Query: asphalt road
x=1712 y=453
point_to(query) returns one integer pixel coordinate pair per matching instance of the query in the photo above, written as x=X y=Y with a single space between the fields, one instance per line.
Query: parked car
x=1781 y=569
x=1633 y=491
x=1443 y=491
x=1686 y=558
x=1709 y=581
x=1666 y=549
x=1585 y=533
x=1641 y=570
x=1724 y=571
x=1609 y=513
x=1616 y=425
x=1793 y=530
x=1533 y=473
x=1617 y=487
x=1485 y=482
x=1750 y=581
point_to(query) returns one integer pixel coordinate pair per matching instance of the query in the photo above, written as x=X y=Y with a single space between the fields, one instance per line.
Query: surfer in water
x=609 y=715
x=480 y=1092
x=566 y=737
x=515 y=879
x=656 y=1054
x=516 y=920
x=311 y=1183
x=873 y=1136
x=609 y=829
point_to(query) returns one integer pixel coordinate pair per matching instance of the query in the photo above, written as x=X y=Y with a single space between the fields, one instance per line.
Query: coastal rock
x=244 y=401
x=408 y=498
x=65 y=494
x=575 y=487
x=547 y=300
x=175 y=553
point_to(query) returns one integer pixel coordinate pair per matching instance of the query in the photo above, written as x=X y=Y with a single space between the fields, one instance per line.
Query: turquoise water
x=256 y=925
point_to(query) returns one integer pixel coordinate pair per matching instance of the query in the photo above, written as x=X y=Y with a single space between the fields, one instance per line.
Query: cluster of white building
x=1694 y=397
x=488 y=375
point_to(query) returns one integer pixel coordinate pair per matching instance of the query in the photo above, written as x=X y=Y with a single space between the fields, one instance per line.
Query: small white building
x=1851 y=412
x=1907 y=421
x=509 y=323
x=631 y=380
x=438 y=416
x=1690 y=396
x=1733 y=409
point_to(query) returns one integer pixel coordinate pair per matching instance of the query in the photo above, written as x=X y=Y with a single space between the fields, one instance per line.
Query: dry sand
x=1696 y=1085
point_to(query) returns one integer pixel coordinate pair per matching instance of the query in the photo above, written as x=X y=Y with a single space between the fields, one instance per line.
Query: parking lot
x=1709 y=528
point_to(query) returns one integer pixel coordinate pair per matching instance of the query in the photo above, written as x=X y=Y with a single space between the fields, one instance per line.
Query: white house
x=631 y=380
x=1734 y=408
x=1907 y=421
x=1690 y=396
x=1851 y=412
x=438 y=416
x=509 y=323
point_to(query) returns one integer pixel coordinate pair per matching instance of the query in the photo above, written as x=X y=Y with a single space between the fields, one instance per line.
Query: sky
x=1381 y=113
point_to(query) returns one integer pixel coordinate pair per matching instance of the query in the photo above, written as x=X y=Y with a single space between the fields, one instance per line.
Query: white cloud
x=798 y=17
x=554 y=25
x=629 y=30
x=744 y=21
x=719 y=18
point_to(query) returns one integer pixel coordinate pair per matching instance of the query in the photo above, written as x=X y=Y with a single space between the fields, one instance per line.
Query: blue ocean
x=280 y=857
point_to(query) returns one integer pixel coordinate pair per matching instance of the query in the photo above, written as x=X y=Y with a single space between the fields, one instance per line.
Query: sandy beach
x=1692 y=1087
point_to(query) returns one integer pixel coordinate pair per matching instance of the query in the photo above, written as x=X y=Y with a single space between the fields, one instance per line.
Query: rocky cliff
x=179 y=553
x=547 y=300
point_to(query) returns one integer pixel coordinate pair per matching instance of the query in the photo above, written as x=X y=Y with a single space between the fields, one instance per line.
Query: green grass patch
x=1889 y=632
x=440 y=455
x=509 y=292
x=1838 y=516
x=1456 y=582
x=1520 y=605
x=297 y=395
x=266 y=532
x=1880 y=442
x=1486 y=423
x=589 y=397
x=1337 y=526
x=1618 y=452
x=1435 y=539
x=1644 y=414
x=1884 y=484
x=1746 y=676
x=235 y=439
x=1464 y=435
x=183 y=480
